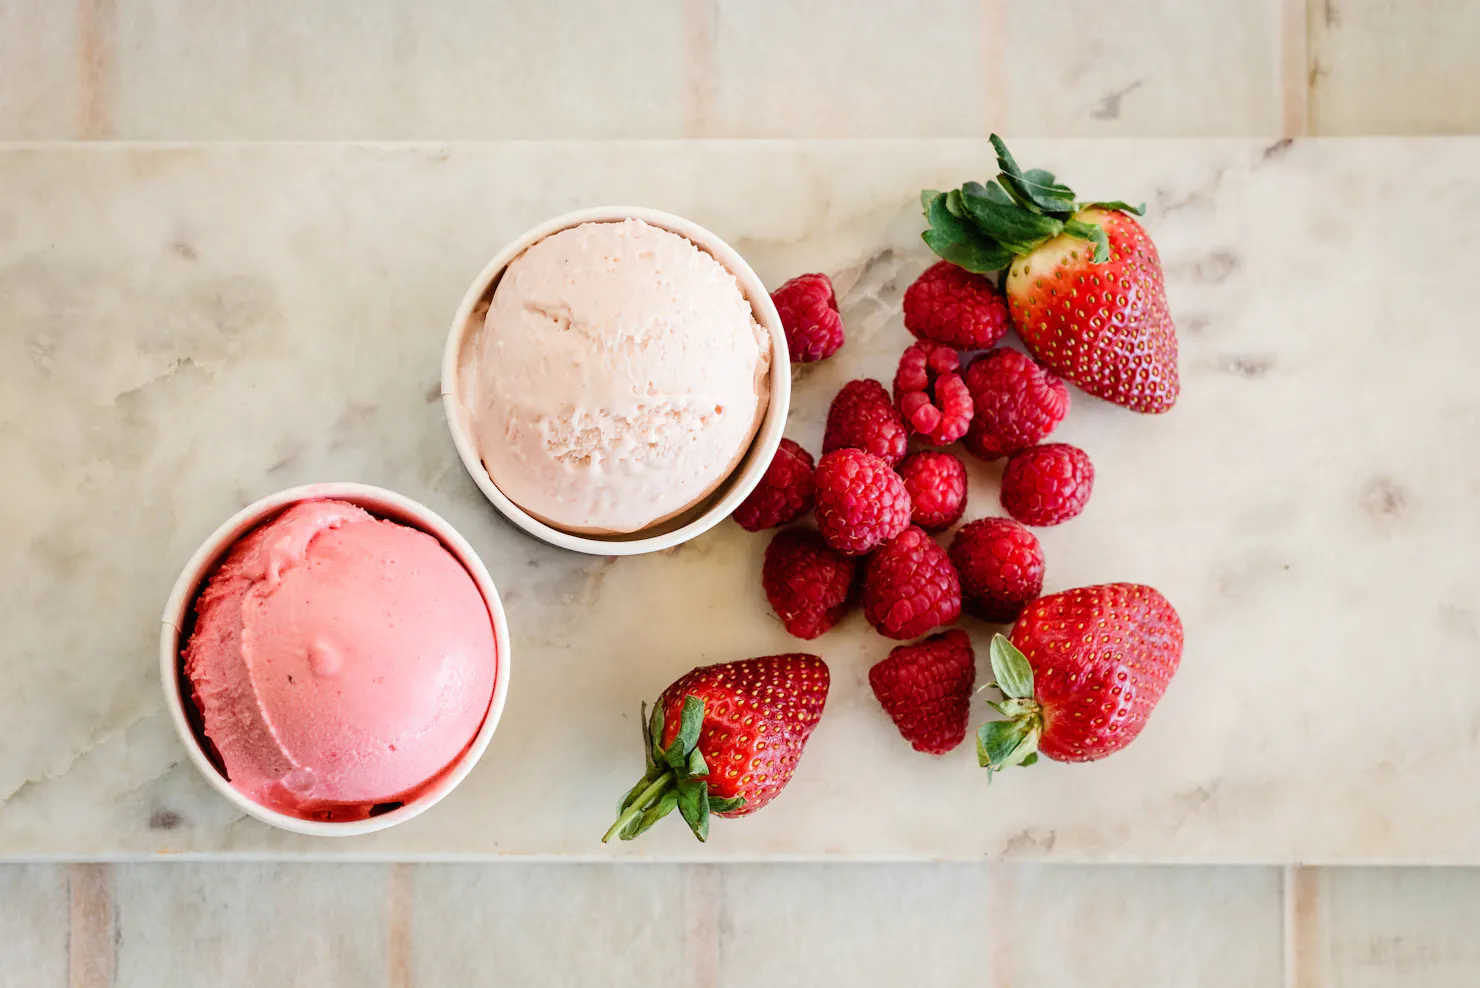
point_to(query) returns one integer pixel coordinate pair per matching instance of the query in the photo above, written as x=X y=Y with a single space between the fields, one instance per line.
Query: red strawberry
x=862 y=417
x=784 y=493
x=724 y=739
x=910 y=587
x=925 y=689
x=936 y=483
x=808 y=582
x=809 y=315
x=955 y=307
x=1084 y=282
x=1083 y=671
x=930 y=394
x=860 y=501
x=1015 y=403
x=1001 y=567
x=1048 y=484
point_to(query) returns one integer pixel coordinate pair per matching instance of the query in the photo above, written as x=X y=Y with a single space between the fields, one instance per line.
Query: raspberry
x=809 y=315
x=951 y=305
x=925 y=689
x=1001 y=567
x=910 y=586
x=808 y=583
x=930 y=395
x=1017 y=403
x=1045 y=485
x=860 y=501
x=784 y=493
x=863 y=417
x=937 y=486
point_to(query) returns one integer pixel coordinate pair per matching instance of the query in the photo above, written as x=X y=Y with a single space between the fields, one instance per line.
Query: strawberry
x=1081 y=674
x=1084 y=283
x=724 y=740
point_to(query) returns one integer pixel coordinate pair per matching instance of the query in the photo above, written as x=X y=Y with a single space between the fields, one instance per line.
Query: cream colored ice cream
x=619 y=377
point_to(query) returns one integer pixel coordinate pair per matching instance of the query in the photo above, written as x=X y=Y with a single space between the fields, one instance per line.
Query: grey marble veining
x=185 y=329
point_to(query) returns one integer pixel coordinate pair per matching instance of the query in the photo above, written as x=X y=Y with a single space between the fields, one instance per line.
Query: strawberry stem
x=639 y=805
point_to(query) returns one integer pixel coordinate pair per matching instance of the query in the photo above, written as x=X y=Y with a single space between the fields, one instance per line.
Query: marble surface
x=189 y=328
x=499 y=69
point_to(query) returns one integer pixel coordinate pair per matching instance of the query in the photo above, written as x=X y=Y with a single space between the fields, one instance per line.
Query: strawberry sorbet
x=339 y=661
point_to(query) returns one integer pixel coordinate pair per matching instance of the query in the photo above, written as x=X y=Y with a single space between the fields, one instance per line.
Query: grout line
x=700 y=22
x=993 y=15
x=399 y=923
x=1295 y=68
x=1305 y=928
x=703 y=898
x=92 y=945
x=95 y=22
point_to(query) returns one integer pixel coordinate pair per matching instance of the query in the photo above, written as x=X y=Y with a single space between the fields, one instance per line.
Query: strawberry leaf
x=693 y=804
x=1035 y=188
x=655 y=731
x=677 y=755
x=697 y=765
x=1010 y=666
x=726 y=805
x=1031 y=759
x=1019 y=230
x=647 y=742
x=953 y=204
x=1124 y=207
x=996 y=740
x=1094 y=233
x=960 y=242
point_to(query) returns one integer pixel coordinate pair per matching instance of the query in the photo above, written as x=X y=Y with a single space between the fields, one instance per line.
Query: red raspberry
x=925 y=689
x=930 y=394
x=1001 y=567
x=1045 y=485
x=861 y=502
x=784 y=493
x=863 y=417
x=910 y=586
x=951 y=305
x=937 y=486
x=1017 y=403
x=809 y=314
x=808 y=583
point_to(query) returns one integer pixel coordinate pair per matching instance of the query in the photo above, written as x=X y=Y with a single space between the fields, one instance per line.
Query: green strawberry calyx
x=676 y=777
x=1014 y=740
x=983 y=227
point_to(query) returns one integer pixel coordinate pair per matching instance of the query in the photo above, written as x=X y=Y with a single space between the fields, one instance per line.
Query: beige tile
x=399 y=69
x=1153 y=67
x=848 y=68
x=1030 y=925
x=1401 y=928
x=40 y=70
x=608 y=925
x=238 y=924
x=1392 y=67
x=33 y=926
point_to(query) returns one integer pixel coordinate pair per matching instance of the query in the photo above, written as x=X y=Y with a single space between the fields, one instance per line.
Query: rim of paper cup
x=763 y=446
x=377 y=501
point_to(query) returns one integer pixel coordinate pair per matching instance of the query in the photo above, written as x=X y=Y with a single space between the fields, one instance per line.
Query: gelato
x=339 y=661
x=618 y=378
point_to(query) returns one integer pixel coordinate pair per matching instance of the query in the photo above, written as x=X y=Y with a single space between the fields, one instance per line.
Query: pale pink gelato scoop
x=339 y=661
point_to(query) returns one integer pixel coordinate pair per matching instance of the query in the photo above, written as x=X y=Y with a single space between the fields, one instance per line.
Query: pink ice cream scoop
x=339 y=661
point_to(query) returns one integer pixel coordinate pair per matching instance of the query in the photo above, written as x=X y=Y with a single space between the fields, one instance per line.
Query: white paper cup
x=742 y=480
x=177 y=616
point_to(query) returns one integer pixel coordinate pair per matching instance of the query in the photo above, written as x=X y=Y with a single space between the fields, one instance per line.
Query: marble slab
x=184 y=329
